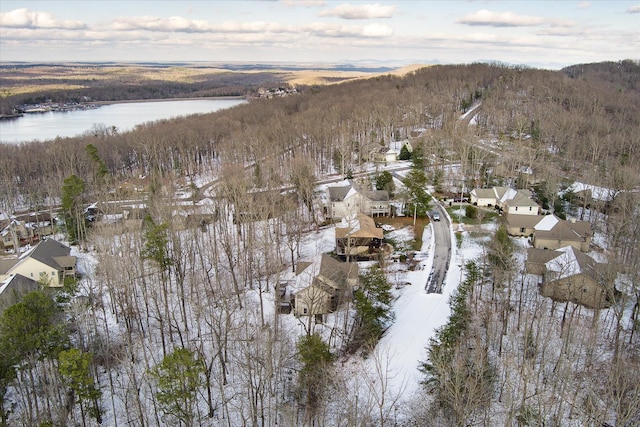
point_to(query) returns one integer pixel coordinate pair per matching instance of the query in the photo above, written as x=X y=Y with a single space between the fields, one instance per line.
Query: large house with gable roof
x=319 y=286
x=49 y=263
x=346 y=199
x=516 y=202
x=552 y=232
x=357 y=236
x=567 y=274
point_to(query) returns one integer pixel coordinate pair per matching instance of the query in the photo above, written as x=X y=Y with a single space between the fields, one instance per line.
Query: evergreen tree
x=372 y=302
x=417 y=197
x=156 y=243
x=30 y=331
x=405 y=154
x=384 y=181
x=102 y=169
x=316 y=358
x=73 y=208
x=179 y=377
x=75 y=367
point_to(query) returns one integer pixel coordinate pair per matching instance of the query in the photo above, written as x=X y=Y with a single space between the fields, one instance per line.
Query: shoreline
x=199 y=98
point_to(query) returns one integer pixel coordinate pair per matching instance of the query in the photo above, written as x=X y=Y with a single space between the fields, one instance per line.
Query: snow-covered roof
x=597 y=193
x=358 y=226
x=565 y=264
x=547 y=223
x=570 y=262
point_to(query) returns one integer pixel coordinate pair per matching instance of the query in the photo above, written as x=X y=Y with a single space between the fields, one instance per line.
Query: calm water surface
x=124 y=116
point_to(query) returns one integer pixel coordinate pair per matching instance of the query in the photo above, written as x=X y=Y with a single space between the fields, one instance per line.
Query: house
x=342 y=201
x=376 y=203
x=483 y=197
x=521 y=205
x=346 y=199
x=570 y=275
x=552 y=232
x=14 y=288
x=498 y=196
x=386 y=155
x=522 y=225
x=357 y=236
x=24 y=229
x=322 y=285
x=49 y=262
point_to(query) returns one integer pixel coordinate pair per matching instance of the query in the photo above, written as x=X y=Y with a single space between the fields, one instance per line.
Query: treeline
x=78 y=84
x=555 y=124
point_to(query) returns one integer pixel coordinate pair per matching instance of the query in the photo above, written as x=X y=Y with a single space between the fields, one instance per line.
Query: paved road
x=442 y=252
x=441 y=247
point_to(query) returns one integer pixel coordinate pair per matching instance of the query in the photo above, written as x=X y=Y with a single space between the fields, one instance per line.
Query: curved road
x=442 y=251
x=441 y=247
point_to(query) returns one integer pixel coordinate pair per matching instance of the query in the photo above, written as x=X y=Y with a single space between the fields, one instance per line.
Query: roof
x=6 y=264
x=378 y=195
x=547 y=223
x=14 y=288
x=52 y=253
x=336 y=273
x=551 y=227
x=484 y=193
x=359 y=226
x=504 y=193
x=521 y=201
x=338 y=194
x=520 y=221
x=540 y=256
x=593 y=191
x=570 y=262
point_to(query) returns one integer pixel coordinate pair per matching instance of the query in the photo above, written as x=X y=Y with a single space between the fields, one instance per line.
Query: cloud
x=509 y=19
x=24 y=18
x=334 y=30
x=584 y=5
x=360 y=11
x=303 y=3
x=634 y=9
x=152 y=23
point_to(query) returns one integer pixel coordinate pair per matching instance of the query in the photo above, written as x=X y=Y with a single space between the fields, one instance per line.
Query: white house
x=521 y=205
x=345 y=200
x=500 y=196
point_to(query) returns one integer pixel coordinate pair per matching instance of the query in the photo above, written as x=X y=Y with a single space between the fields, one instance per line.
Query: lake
x=124 y=116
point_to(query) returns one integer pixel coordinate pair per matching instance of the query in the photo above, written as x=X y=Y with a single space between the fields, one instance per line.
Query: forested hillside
x=174 y=324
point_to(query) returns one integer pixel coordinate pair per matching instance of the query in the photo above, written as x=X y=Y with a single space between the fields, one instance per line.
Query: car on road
x=435 y=216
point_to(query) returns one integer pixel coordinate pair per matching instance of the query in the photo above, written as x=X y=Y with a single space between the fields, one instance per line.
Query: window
x=522 y=229
x=530 y=208
x=53 y=273
x=304 y=311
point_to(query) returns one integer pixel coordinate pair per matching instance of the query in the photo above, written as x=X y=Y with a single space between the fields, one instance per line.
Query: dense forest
x=169 y=325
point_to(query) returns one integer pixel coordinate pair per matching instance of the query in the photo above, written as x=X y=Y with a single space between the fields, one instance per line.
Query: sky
x=541 y=34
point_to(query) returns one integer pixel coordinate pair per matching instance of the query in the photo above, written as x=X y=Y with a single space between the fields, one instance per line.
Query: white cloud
x=509 y=19
x=24 y=18
x=376 y=30
x=634 y=9
x=303 y=3
x=360 y=11
x=152 y=23
x=334 y=30
x=584 y=5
